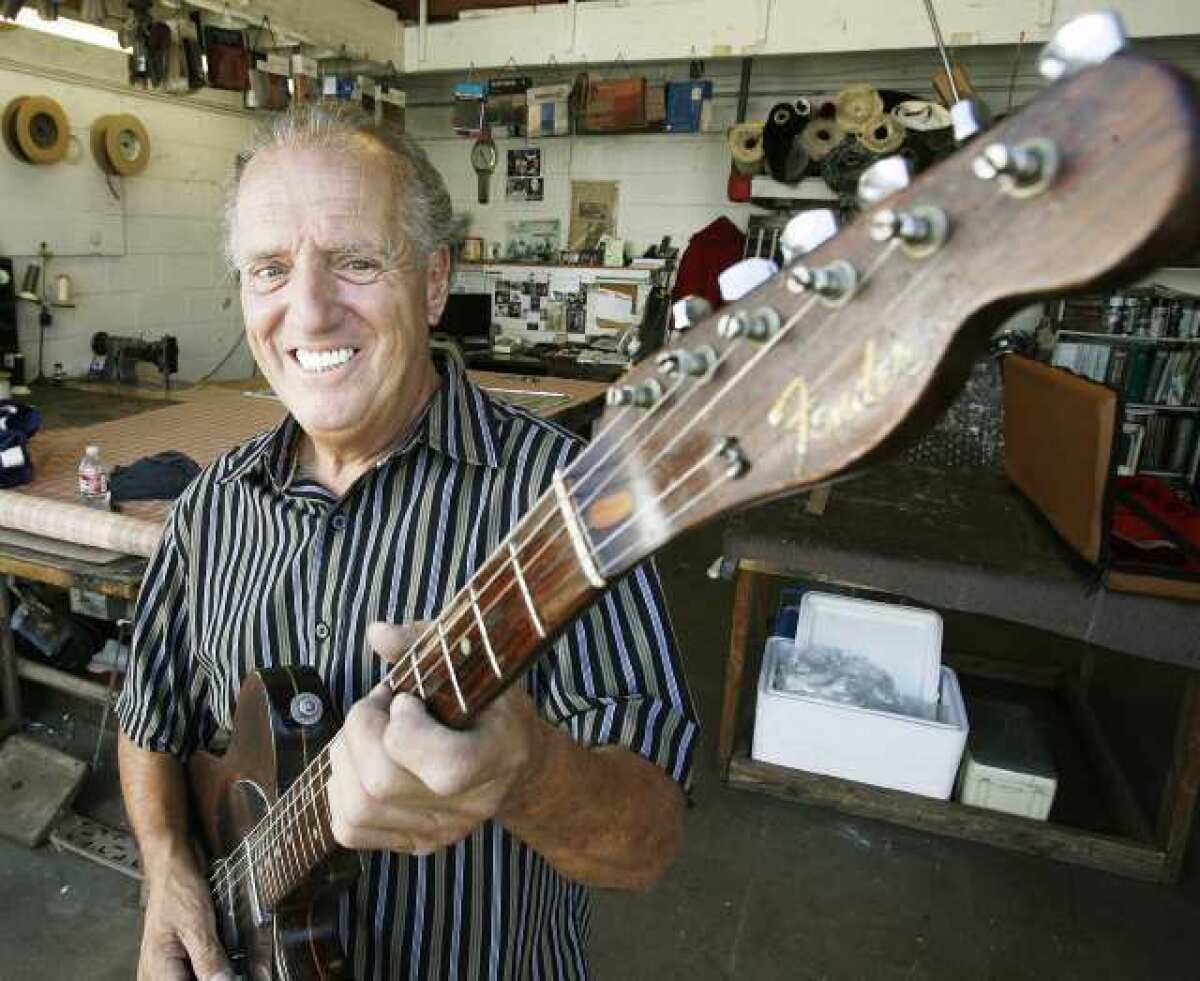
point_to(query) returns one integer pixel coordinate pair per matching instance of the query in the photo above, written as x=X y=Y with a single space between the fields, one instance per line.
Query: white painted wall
x=148 y=263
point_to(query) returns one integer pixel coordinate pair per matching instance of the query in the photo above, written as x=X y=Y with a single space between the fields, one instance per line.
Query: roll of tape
x=820 y=136
x=922 y=116
x=746 y=147
x=99 y=153
x=9 y=124
x=126 y=145
x=883 y=134
x=855 y=105
x=42 y=130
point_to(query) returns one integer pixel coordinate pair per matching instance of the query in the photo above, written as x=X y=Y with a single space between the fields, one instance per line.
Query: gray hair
x=426 y=215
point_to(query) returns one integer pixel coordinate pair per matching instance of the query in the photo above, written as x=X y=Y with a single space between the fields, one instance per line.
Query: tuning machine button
x=921 y=230
x=883 y=179
x=968 y=117
x=690 y=311
x=834 y=283
x=1023 y=169
x=1086 y=40
x=642 y=396
x=758 y=325
x=806 y=231
x=744 y=277
x=698 y=363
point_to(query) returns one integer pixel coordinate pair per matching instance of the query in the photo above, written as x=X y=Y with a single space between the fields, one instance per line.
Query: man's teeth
x=323 y=360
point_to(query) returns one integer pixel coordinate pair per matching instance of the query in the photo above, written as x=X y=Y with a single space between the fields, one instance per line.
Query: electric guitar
x=845 y=354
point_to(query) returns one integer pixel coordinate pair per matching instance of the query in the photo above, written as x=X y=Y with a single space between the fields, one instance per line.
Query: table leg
x=1182 y=789
x=744 y=605
x=10 y=685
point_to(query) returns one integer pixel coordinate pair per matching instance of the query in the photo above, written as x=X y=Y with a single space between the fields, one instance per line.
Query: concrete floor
x=763 y=889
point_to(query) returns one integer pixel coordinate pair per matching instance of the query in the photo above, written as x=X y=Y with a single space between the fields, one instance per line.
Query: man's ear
x=437 y=284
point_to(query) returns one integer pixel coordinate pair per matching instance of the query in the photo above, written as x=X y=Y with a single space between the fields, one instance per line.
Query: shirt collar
x=458 y=421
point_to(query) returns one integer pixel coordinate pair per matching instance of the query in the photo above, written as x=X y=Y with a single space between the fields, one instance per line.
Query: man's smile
x=317 y=360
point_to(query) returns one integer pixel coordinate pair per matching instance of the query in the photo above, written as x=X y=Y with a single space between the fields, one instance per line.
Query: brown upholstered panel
x=1058 y=434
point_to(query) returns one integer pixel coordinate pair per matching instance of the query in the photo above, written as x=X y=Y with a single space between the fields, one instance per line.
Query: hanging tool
x=954 y=88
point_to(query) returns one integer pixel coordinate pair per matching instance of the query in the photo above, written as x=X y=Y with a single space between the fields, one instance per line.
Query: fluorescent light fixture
x=72 y=30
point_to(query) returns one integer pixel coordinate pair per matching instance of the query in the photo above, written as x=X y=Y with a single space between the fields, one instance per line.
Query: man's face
x=337 y=309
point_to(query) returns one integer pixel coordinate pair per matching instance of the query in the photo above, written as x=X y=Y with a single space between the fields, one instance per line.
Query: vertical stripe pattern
x=260 y=568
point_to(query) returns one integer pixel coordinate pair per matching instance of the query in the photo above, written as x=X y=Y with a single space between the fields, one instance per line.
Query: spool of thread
x=62 y=290
x=746 y=147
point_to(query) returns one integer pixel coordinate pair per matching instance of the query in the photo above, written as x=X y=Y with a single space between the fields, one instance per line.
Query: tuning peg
x=806 y=231
x=968 y=118
x=883 y=179
x=690 y=310
x=757 y=326
x=697 y=363
x=1087 y=40
x=745 y=276
x=643 y=396
x=1023 y=170
x=835 y=282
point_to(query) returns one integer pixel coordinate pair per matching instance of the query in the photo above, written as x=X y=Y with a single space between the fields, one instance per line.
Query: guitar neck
x=485 y=638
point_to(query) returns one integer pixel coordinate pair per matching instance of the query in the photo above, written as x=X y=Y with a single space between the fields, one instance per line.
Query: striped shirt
x=260 y=567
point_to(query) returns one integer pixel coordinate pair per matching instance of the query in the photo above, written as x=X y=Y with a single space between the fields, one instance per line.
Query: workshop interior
x=878 y=324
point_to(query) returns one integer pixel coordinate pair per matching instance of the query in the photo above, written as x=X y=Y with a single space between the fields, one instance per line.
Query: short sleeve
x=163 y=701
x=614 y=677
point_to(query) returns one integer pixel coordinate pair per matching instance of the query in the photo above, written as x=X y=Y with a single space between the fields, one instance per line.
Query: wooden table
x=967 y=542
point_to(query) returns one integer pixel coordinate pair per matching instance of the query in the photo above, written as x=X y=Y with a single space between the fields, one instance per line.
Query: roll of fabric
x=820 y=136
x=783 y=125
x=79 y=524
x=856 y=104
x=883 y=134
x=746 y=147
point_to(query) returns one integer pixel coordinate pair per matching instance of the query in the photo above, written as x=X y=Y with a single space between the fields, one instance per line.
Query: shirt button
x=322 y=631
x=338 y=522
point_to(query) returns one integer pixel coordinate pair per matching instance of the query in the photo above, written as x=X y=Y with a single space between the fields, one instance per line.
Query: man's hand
x=402 y=781
x=179 y=939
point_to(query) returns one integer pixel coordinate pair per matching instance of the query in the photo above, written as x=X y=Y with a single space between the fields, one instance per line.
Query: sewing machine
x=116 y=357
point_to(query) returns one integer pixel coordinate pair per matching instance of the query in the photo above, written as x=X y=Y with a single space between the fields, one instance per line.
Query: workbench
x=967 y=543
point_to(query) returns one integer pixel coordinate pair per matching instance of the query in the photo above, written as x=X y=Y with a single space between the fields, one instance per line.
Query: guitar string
x=416 y=658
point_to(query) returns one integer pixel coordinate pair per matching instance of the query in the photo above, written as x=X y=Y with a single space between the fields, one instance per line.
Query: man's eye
x=359 y=265
x=268 y=274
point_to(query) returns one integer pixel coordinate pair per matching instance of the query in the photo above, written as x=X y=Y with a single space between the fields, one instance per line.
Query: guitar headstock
x=820 y=367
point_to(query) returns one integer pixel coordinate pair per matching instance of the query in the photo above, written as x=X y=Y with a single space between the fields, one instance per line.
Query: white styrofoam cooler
x=902 y=752
x=903 y=640
x=998 y=789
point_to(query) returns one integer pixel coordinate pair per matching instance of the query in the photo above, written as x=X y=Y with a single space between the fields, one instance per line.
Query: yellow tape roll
x=855 y=105
x=746 y=147
x=883 y=134
x=120 y=145
x=42 y=130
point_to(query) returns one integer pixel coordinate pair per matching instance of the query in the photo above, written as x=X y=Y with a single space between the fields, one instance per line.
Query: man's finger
x=207 y=957
x=392 y=641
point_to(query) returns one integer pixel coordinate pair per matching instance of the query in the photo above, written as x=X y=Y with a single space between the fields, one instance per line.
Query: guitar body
x=271 y=745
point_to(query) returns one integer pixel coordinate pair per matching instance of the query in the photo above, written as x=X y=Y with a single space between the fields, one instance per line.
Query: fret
x=533 y=614
x=483 y=634
x=450 y=666
x=575 y=530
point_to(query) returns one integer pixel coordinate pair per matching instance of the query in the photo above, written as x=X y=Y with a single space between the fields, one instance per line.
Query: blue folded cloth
x=161 y=477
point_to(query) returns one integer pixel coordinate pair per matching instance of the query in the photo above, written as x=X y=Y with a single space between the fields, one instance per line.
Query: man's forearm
x=603 y=816
x=156 y=801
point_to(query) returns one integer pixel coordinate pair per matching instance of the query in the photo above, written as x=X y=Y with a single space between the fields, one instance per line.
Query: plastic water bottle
x=93 y=480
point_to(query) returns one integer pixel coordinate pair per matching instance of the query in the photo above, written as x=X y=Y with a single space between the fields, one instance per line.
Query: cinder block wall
x=143 y=253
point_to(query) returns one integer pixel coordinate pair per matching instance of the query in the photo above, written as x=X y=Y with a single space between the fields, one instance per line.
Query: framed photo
x=525 y=161
x=1129 y=448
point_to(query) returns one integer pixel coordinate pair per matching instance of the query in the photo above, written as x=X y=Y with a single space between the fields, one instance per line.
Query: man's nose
x=312 y=295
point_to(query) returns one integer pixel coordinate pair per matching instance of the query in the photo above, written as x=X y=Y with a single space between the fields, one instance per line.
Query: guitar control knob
x=836 y=281
x=807 y=231
x=697 y=363
x=306 y=708
x=756 y=326
x=735 y=460
x=1086 y=40
x=690 y=311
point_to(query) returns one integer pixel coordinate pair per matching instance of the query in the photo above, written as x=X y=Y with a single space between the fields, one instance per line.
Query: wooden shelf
x=1156 y=407
x=1126 y=338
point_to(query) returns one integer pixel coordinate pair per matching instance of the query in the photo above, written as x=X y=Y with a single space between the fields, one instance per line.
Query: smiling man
x=372 y=503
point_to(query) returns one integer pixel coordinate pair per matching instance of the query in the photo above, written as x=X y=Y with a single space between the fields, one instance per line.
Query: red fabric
x=710 y=252
x=1135 y=538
